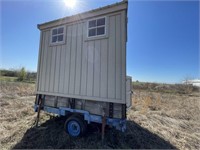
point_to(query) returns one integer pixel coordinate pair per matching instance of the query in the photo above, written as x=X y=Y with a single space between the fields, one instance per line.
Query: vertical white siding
x=40 y=65
x=44 y=60
x=73 y=60
x=90 y=68
x=62 y=68
x=52 y=74
x=104 y=69
x=48 y=67
x=97 y=68
x=78 y=58
x=123 y=53
x=118 y=74
x=111 y=58
x=84 y=69
x=67 y=60
x=57 y=69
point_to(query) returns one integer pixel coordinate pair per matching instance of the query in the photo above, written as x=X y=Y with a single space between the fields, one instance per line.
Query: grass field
x=162 y=117
x=14 y=79
x=8 y=79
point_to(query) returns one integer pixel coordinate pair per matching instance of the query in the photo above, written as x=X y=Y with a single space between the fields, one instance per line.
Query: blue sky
x=163 y=37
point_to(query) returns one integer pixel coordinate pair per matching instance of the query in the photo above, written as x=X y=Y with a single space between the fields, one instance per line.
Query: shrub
x=22 y=74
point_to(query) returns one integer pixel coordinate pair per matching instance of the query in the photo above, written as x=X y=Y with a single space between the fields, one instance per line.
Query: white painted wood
x=48 y=67
x=118 y=63
x=92 y=69
x=111 y=58
x=44 y=62
x=97 y=68
x=84 y=64
x=39 y=61
x=84 y=69
x=79 y=58
x=62 y=68
x=104 y=69
x=67 y=59
x=51 y=81
x=73 y=60
x=92 y=98
x=123 y=47
x=128 y=92
x=57 y=68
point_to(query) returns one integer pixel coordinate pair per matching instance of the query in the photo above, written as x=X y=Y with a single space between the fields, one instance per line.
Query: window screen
x=96 y=27
x=57 y=35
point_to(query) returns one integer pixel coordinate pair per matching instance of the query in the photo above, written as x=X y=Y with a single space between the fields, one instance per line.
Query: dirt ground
x=157 y=120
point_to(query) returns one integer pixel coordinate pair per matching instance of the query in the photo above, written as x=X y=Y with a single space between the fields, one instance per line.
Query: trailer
x=82 y=69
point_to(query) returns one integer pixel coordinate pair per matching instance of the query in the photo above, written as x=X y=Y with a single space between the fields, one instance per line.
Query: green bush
x=22 y=74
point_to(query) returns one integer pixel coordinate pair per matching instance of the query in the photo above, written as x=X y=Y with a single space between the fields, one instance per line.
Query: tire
x=81 y=117
x=75 y=126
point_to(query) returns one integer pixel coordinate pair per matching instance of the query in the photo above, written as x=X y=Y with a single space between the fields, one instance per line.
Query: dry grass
x=16 y=113
x=157 y=120
x=174 y=117
x=16 y=89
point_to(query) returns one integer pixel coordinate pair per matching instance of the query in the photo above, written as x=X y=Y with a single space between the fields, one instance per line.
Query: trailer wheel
x=75 y=126
x=84 y=123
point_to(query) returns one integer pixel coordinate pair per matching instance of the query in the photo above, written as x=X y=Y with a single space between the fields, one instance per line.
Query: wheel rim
x=73 y=128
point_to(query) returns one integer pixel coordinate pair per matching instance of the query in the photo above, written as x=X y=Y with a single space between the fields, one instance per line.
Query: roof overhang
x=85 y=15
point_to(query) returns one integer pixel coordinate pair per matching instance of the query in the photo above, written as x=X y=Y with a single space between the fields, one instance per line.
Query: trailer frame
x=119 y=124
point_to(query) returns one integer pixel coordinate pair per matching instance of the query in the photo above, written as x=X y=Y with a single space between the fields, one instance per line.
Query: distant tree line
x=9 y=73
x=22 y=74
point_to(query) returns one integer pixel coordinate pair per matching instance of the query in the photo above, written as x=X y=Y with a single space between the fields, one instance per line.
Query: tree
x=187 y=79
x=22 y=74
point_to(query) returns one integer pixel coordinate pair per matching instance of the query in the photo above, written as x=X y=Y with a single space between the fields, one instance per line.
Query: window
x=97 y=27
x=58 y=35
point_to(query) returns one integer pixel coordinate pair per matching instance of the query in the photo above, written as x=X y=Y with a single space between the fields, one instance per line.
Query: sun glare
x=70 y=3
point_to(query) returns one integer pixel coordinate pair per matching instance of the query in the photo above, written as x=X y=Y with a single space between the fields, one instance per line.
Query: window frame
x=64 y=35
x=105 y=26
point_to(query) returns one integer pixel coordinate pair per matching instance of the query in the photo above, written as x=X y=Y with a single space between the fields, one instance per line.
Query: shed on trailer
x=82 y=62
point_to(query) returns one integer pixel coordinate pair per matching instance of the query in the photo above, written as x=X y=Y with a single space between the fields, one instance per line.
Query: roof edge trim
x=85 y=15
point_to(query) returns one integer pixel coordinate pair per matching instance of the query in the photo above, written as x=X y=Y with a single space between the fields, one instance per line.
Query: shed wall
x=93 y=69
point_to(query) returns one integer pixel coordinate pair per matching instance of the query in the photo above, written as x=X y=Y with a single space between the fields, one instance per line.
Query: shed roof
x=88 y=14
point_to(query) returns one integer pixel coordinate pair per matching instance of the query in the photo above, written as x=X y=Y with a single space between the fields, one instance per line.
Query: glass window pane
x=60 y=30
x=101 y=22
x=101 y=31
x=92 y=32
x=54 y=32
x=54 y=39
x=92 y=23
x=60 y=38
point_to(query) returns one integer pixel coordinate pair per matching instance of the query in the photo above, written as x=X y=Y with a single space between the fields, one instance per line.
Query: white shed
x=194 y=82
x=84 y=56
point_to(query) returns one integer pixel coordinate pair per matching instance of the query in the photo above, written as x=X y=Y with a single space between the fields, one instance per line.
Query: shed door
x=128 y=91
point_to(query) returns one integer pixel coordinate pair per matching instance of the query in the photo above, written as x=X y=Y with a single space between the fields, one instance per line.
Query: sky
x=163 y=36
